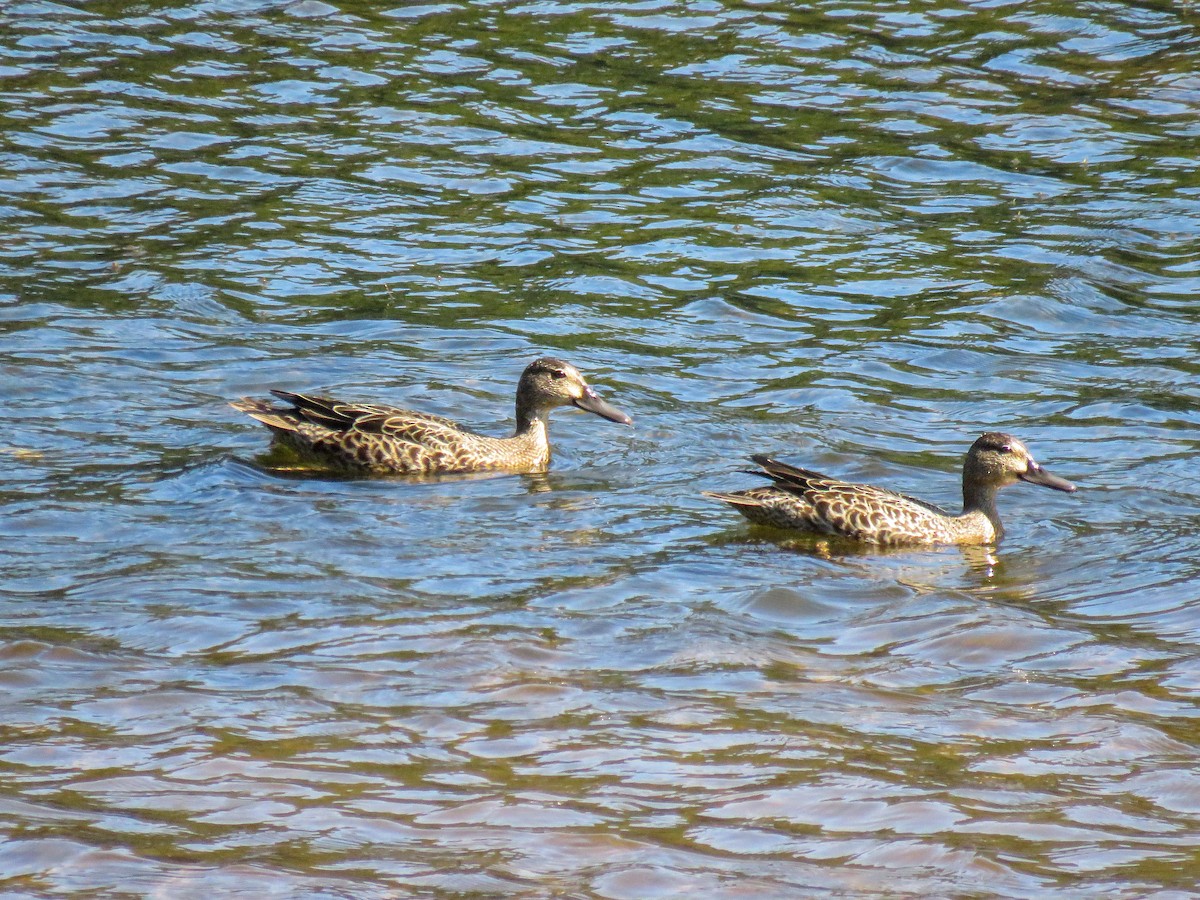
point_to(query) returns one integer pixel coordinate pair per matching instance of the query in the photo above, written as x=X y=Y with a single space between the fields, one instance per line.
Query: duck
x=807 y=501
x=373 y=439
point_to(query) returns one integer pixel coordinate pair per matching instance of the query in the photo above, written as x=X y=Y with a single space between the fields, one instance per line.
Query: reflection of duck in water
x=807 y=501
x=384 y=440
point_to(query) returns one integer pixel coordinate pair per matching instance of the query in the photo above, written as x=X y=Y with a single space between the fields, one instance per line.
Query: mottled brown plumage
x=372 y=439
x=803 y=500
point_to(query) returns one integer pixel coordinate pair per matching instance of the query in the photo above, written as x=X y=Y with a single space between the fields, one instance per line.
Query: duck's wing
x=811 y=501
x=389 y=422
x=797 y=480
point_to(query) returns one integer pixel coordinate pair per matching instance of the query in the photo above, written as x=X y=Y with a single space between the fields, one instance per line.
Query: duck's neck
x=532 y=437
x=531 y=422
x=532 y=441
x=979 y=498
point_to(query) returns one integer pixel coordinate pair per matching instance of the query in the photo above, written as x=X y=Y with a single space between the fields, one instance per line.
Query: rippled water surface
x=849 y=234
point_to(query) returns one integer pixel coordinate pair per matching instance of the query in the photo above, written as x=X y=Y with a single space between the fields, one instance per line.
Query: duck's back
x=801 y=499
x=371 y=437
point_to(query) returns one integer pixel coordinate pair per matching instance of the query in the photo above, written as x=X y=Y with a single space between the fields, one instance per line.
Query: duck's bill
x=592 y=403
x=1038 y=475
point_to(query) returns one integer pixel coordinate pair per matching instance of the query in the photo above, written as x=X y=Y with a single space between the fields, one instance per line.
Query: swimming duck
x=811 y=502
x=368 y=438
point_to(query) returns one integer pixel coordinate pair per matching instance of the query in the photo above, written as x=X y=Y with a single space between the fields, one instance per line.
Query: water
x=852 y=235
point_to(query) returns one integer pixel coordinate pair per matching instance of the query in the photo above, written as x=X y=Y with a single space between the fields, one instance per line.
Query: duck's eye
x=1006 y=448
x=557 y=374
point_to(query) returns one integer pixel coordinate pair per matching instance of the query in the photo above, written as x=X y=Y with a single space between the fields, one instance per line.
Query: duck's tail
x=734 y=499
x=281 y=421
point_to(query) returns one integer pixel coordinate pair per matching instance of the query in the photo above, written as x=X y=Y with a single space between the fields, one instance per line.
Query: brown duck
x=368 y=438
x=808 y=501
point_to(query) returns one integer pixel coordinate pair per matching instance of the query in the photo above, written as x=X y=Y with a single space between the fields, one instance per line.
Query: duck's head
x=999 y=459
x=548 y=382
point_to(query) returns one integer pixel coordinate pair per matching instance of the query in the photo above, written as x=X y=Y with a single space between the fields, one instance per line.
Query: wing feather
x=809 y=501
